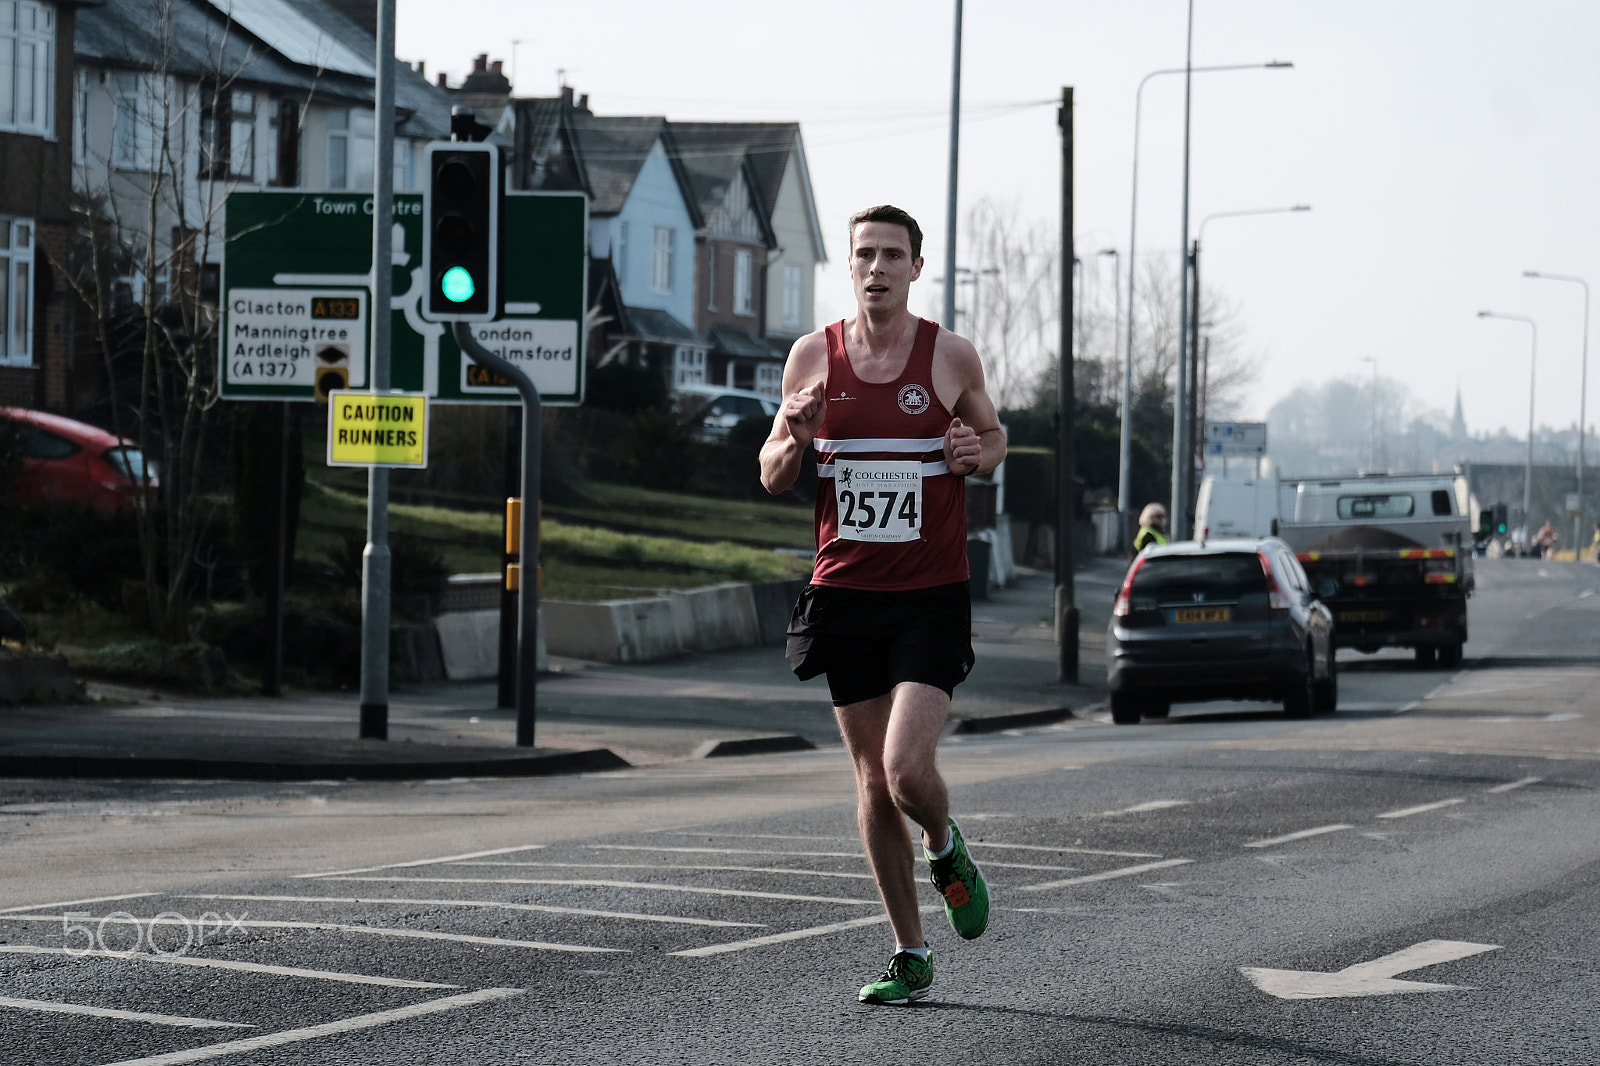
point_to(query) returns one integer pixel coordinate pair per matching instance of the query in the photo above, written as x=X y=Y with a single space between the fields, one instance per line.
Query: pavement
x=588 y=716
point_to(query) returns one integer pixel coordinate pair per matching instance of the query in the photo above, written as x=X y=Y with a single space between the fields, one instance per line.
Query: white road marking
x=616 y=884
x=335 y=927
x=223 y=964
x=1509 y=785
x=1408 y=708
x=1125 y=871
x=1434 y=692
x=1560 y=717
x=675 y=866
x=344 y=1025
x=1585 y=594
x=729 y=851
x=1366 y=978
x=427 y=862
x=1151 y=805
x=76 y=902
x=119 y=1015
x=1301 y=835
x=538 y=907
x=781 y=938
x=1421 y=809
x=1073 y=851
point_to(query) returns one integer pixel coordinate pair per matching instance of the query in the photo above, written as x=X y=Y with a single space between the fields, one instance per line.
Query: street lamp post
x=1194 y=327
x=1583 y=395
x=1533 y=360
x=1125 y=450
x=1372 y=417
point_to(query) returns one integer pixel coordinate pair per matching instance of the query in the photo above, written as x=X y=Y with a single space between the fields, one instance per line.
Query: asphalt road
x=1411 y=881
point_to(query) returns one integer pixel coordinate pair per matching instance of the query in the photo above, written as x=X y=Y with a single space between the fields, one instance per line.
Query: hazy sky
x=1444 y=145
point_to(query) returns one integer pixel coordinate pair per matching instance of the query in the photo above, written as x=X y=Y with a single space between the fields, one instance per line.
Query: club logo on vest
x=914 y=399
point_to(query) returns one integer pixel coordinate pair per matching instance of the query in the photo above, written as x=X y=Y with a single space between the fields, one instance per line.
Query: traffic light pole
x=532 y=426
x=375 y=558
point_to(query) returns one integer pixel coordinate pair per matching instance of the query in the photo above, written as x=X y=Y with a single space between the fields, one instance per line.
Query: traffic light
x=332 y=370
x=463 y=214
x=1499 y=518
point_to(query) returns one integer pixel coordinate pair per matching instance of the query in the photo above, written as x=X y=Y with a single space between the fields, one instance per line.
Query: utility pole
x=1178 y=511
x=950 y=203
x=1066 y=609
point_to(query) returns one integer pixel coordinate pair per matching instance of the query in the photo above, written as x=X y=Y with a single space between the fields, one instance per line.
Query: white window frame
x=661 y=260
x=711 y=277
x=28 y=59
x=688 y=367
x=769 y=380
x=405 y=165
x=133 y=134
x=17 y=258
x=794 y=287
x=743 y=282
x=338 y=123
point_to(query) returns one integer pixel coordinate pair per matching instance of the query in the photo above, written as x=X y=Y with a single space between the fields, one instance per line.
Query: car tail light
x=1275 y=597
x=1125 y=595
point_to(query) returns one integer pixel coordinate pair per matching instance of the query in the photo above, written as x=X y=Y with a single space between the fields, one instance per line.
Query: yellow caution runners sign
x=377 y=430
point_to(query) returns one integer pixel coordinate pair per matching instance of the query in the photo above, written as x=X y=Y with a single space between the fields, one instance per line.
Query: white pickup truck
x=1398 y=549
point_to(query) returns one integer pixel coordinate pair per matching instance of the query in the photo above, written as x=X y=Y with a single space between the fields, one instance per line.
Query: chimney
x=422 y=67
x=480 y=65
x=444 y=80
x=496 y=66
x=583 y=102
x=566 y=96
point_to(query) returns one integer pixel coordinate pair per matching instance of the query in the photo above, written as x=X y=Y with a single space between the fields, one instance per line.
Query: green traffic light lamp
x=457 y=285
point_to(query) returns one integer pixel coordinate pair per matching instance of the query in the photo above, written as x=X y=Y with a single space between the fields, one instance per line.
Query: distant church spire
x=1458 y=423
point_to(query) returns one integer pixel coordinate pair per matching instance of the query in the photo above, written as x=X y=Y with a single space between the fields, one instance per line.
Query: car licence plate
x=1363 y=616
x=1200 y=614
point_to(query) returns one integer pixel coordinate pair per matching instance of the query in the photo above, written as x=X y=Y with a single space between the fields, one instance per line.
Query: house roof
x=742 y=342
x=768 y=148
x=611 y=152
x=654 y=325
x=304 y=46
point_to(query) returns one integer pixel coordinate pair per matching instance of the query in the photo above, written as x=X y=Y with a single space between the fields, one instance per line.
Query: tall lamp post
x=1372 y=417
x=1533 y=360
x=1125 y=451
x=1194 y=331
x=1583 y=395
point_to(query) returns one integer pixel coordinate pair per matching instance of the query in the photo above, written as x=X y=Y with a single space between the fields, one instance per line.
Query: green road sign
x=296 y=300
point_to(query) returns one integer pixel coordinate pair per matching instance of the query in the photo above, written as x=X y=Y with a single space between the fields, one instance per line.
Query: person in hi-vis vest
x=1152 y=527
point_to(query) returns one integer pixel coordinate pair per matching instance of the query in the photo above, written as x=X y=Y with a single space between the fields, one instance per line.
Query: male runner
x=896 y=409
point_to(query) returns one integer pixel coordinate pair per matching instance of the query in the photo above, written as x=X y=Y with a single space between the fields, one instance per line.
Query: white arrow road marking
x=1366 y=978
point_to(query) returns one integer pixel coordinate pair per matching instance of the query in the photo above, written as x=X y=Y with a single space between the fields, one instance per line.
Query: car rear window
x=130 y=463
x=1223 y=576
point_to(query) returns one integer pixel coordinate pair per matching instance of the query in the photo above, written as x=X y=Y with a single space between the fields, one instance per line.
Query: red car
x=63 y=459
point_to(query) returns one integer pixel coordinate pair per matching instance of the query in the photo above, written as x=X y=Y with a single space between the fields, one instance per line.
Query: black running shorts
x=869 y=642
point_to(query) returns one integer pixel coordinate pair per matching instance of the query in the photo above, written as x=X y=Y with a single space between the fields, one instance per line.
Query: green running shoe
x=907 y=978
x=961 y=883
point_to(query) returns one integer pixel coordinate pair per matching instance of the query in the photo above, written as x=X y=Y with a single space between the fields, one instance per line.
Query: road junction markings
x=51 y=1007
x=1374 y=978
x=314 y=1032
x=492 y=904
x=330 y=927
x=158 y=959
x=428 y=862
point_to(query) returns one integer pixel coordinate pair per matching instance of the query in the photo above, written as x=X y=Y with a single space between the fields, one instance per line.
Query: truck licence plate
x=1200 y=614
x=1377 y=615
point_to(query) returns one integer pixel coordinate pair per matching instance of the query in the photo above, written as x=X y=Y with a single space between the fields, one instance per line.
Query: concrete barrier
x=469 y=644
x=713 y=618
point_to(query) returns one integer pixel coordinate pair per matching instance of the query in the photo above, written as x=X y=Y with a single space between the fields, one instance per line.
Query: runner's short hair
x=887 y=213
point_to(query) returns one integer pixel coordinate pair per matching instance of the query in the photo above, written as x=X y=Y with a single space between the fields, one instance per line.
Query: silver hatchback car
x=1220 y=619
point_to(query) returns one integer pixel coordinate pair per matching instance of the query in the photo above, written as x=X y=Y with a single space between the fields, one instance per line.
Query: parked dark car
x=63 y=459
x=1224 y=619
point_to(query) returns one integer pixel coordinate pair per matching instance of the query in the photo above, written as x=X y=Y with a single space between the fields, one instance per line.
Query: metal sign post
x=532 y=425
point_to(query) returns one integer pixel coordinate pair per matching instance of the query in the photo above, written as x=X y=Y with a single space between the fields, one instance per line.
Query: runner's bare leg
x=892 y=741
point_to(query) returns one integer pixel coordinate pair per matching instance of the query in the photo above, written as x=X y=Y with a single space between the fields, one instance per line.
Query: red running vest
x=899 y=420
